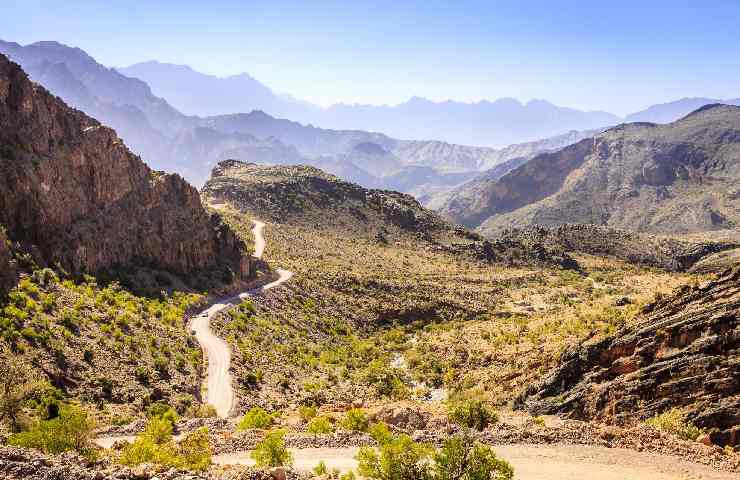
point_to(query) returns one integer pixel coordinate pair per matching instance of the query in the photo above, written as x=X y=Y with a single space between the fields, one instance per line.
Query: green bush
x=673 y=421
x=462 y=458
x=256 y=417
x=205 y=410
x=472 y=414
x=319 y=425
x=306 y=412
x=155 y=446
x=356 y=420
x=195 y=450
x=396 y=458
x=71 y=430
x=271 y=451
x=320 y=469
x=162 y=411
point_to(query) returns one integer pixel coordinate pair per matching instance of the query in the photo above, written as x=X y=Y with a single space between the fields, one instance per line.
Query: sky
x=614 y=56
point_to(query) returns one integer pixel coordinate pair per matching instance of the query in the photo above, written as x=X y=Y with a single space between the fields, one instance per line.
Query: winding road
x=219 y=391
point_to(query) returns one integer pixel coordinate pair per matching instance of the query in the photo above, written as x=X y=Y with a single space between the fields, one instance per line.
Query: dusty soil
x=537 y=462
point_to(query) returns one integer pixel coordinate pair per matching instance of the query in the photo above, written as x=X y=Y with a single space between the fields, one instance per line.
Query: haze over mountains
x=680 y=177
x=434 y=171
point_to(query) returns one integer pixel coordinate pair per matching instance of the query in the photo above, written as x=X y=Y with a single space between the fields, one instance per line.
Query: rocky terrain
x=636 y=248
x=71 y=188
x=675 y=178
x=682 y=351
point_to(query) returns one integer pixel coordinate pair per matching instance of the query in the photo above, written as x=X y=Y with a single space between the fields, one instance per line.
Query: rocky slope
x=675 y=178
x=682 y=352
x=635 y=248
x=73 y=195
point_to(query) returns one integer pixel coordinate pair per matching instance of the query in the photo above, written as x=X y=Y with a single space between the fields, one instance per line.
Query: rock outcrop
x=73 y=195
x=7 y=265
x=284 y=193
x=684 y=352
x=638 y=248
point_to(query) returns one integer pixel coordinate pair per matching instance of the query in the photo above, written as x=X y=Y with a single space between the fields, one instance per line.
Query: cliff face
x=72 y=193
x=684 y=352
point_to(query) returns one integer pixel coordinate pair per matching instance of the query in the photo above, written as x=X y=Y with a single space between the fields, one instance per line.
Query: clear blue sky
x=618 y=56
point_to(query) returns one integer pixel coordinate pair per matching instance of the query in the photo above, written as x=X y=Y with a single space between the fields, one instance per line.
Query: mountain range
x=170 y=140
x=680 y=177
x=491 y=123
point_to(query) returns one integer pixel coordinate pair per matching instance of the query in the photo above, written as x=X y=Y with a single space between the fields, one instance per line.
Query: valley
x=363 y=298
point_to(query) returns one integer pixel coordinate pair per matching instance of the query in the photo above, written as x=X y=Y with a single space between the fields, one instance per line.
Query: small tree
x=396 y=458
x=71 y=430
x=195 y=450
x=356 y=420
x=319 y=425
x=472 y=414
x=256 y=417
x=462 y=458
x=271 y=451
x=16 y=387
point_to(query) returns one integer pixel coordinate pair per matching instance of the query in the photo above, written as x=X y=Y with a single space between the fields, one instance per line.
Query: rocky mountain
x=74 y=196
x=675 y=178
x=195 y=93
x=672 y=111
x=170 y=140
x=681 y=352
x=501 y=122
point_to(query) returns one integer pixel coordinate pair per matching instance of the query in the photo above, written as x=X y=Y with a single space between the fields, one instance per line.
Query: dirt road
x=219 y=392
x=538 y=462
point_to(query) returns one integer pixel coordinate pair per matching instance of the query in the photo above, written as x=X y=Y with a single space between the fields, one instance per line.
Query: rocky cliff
x=72 y=194
x=684 y=352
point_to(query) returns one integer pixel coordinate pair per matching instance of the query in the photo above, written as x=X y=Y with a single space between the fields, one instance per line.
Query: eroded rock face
x=684 y=352
x=73 y=193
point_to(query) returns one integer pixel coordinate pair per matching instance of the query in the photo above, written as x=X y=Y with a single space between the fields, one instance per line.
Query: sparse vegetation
x=673 y=421
x=256 y=417
x=71 y=430
x=355 y=420
x=320 y=425
x=471 y=413
x=155 y=445
x=271 y=451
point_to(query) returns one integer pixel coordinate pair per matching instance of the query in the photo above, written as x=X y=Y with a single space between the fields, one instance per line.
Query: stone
x=705 y=440
x=279 y=474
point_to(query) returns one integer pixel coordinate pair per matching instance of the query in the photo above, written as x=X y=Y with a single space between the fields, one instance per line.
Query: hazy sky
x=616 y=56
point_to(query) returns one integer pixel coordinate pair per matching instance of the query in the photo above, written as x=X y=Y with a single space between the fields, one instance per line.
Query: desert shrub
x=380 y=433
x=195 y=450
x=256 y=417
x=155 y=445
x=319 y=425
x=71 y=430
x=16 y=388
x=462 y=458
x=356 y=420
x=347 y=476
x=472 y=414
x=162 y=411
x=271 y=451
x=396 y=458
x=673 y=421
x=205 y=410
x=320 y=469
x=306 y=412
